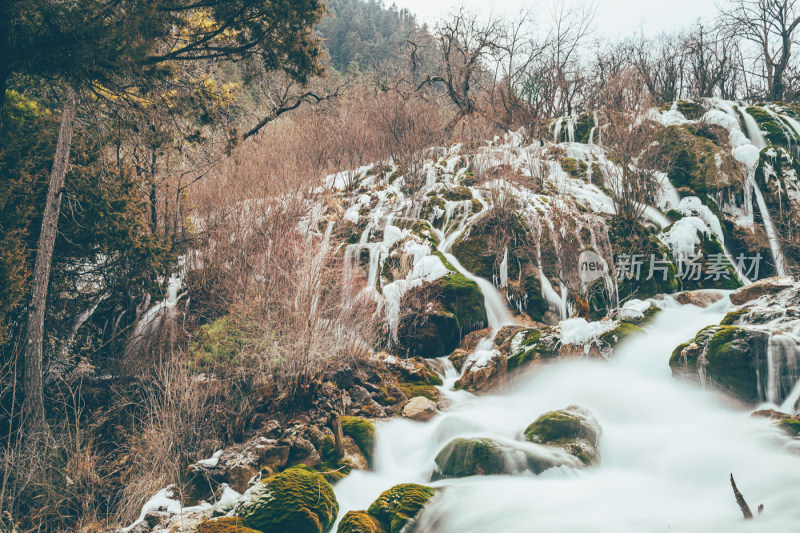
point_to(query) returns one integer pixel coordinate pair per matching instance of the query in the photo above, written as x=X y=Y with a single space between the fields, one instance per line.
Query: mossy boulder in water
x=362 y=431
x=732 y=358
x=360 y=522
x=574 y=429
x=470 y=457
x=486 y=457
x=620 y=333
x=395 y=507
x=297 y=500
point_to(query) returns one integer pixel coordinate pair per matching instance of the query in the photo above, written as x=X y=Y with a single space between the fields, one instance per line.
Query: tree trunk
x=33 y=404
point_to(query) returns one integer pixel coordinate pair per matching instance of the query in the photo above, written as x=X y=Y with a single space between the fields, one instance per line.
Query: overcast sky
x=615 y=18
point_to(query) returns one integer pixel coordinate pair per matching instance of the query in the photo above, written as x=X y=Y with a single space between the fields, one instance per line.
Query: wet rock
x=362 y=431
x=574 y=429
x=398 y=506
x=296 y=500
x=700 y=297
x=420 y=409
x=481 y=375
x=458 y=357
x=471 y=339
x=759 y=288
x=485 y=457
x=788 y=423
x=156 y=518
x=730 y=358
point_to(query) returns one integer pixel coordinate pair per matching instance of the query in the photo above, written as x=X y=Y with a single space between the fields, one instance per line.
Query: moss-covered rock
x=296 y=500
x=575 y=429
x=528 y=346
x=457 y=194
x=224 y=524
x=732 y=358
x=574 y=167
x=773 y=130
x=450 y=307
x=360 y=522
x=470 y=457
x=216 y=343
x=620 y=333
x=362 y=431
x=395 y=507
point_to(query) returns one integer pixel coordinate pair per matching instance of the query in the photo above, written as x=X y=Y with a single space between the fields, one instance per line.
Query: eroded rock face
x=574 y=429
x=420 y=409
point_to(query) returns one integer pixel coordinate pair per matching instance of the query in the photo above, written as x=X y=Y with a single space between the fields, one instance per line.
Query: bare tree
x=465 y=43
x=770 y=26
x=709 y=60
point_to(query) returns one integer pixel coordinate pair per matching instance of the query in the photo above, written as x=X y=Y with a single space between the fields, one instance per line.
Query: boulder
x=239 y=477
x=360 y=522
x=730 y=358
x=788 y=423
x=485 y=457
x=574 y=429
x=399 y=505
x=759 y=288
x=458 y=357
x=296 y=500
x=420 y=409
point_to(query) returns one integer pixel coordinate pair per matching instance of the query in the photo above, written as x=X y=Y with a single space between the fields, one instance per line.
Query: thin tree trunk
x=33 y=403
x=741 y=501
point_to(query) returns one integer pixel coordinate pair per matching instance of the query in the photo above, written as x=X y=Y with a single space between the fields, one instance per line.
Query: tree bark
x=741 y=501
x=33 y=403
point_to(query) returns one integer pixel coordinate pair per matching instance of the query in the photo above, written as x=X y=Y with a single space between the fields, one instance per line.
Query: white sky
x=615 y=18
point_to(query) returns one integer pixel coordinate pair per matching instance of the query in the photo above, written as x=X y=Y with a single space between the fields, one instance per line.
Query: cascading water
x=757 y=139
x=667 y=449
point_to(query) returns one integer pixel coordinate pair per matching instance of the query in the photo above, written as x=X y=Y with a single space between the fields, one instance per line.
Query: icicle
x=504 y=270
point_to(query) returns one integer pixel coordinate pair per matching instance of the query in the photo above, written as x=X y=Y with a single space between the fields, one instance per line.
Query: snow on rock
x=634 y=310
x=692 y=206
x=748 y=155
x=684 y=236
x=579 y=331
x=212 y=461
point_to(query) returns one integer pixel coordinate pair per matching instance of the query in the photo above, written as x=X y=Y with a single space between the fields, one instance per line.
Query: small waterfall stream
x=667 y=449
x=758 y=140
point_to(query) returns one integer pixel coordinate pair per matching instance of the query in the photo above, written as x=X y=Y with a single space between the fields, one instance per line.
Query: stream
x=667 y=450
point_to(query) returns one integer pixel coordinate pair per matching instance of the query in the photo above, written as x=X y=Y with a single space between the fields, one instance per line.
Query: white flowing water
x=758 y=140
x=667 y=450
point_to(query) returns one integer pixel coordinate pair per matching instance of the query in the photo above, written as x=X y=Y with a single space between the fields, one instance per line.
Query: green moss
x=620 y=333
x=771 y=128
x=574 y=167
x=573 y=428
x=731 y=361
x=216 y=343
x=583 y=127
x=359 y=522
x=790 y=426
x=559 y=427
x=674 y=215
x=690 y=109
x=395 y=507
x=362 y=432
x=412 y=390
x=731 y=318
x=224 y=524
x=296 y=500
x=457 y=194
x=470 y=457
x=675 y=358
x=463 y=298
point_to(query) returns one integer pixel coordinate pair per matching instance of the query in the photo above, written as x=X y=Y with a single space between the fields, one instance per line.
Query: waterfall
x=757 y=139
x=783 y=371
x=497 y=314
x=504 y=270
x=557 y=130
x=571 y=128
